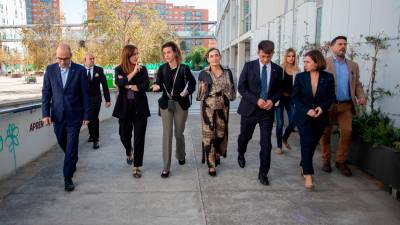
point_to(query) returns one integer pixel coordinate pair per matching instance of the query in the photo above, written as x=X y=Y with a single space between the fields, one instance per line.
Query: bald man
x=65 y=104
x=96 y=77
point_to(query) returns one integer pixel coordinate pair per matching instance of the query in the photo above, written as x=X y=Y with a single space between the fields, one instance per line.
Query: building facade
x=38 y=10
x=12 y=12
x=242 y=24
x=171 y=13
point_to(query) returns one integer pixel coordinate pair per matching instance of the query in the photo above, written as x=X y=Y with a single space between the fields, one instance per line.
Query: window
x=318 y=26
x=246 y=16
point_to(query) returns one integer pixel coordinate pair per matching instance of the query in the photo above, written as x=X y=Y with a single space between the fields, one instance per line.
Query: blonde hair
x=295 y=63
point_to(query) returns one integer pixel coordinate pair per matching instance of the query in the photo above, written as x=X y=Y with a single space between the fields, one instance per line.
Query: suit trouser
x=172 y=120
x=343 y=114
x=247 y=126
x=138 y=125
x=93 y=126
x=68 y=139
x=310 y=133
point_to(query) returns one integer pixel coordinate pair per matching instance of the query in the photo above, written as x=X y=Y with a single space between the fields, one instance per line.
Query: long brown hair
x=295 y=63
x=175 y=48
x=127 y=52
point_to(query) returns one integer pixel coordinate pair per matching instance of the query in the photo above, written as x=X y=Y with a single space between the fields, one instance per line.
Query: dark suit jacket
x=94 y=85
x=141 y=103
x=69 y=104
x=164 y=77
x=250 y=86
x=304 y=100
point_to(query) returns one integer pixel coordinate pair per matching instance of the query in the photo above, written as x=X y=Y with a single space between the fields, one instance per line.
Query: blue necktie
x=264 y=83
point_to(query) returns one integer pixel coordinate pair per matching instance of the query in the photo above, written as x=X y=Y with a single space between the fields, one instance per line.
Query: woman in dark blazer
x=177 y=83
x=313 y=94
x=132 y=108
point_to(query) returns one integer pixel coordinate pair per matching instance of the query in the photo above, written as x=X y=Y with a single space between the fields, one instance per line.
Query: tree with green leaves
x=42 y=39
x=196 y=57
x=119 y=23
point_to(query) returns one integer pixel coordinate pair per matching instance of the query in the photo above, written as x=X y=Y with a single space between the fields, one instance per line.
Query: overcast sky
x=74 y=10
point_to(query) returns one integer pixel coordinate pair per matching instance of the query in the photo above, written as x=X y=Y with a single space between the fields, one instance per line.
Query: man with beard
x=349 y=92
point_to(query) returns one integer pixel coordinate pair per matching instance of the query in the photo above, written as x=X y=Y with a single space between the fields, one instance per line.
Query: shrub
x=377 y=129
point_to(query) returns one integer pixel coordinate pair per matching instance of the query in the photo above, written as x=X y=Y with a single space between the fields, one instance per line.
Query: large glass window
x=318 y=24
x=246 y=16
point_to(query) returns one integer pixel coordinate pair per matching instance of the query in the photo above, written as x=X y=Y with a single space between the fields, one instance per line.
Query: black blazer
x=141 y=103
x=94 y=85
x=165 y=77
x=304 y=100
x=250 y=86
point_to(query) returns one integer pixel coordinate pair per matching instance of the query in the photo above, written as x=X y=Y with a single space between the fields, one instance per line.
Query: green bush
x=377 y=129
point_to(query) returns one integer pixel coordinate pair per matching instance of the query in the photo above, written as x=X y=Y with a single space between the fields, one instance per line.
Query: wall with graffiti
x=23 y=138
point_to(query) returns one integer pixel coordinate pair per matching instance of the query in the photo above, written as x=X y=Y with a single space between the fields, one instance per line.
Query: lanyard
x=173 y=85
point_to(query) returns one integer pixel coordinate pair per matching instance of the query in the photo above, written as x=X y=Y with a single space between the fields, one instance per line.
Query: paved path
x=106 y=193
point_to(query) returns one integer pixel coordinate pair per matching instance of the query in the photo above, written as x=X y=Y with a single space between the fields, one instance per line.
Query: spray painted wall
x=23 y=137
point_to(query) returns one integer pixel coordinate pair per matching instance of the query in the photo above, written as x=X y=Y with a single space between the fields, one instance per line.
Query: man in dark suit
x=65 y=103
x=96 y=78
x=260 y=87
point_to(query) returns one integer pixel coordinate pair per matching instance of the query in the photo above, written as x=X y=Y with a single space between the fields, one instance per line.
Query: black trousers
x=247 y=126
x=93 y=126
x=138 y=125
x=310 y=133
x=68 y=139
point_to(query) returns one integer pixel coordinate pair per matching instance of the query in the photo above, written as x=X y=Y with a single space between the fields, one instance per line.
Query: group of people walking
x=327 y=90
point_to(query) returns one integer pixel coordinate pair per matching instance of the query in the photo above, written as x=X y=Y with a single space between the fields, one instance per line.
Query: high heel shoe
x=136 y=172
x=212 y=173
x=279 y=151
x=129 y=160
x=287 y=145
x=308 y=182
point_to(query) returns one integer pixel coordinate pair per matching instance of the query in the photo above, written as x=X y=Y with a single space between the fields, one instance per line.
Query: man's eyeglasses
x=63 y=59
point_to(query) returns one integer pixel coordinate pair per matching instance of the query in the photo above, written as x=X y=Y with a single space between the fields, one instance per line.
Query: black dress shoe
x=182 y=162
x=90 y=139
x=241 y=161
x=69 y=185
x=217 y=161
x=263 y=179
x=165 y=174
x=96 y=145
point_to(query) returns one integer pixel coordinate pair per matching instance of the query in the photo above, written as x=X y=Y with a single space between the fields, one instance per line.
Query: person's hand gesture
x=155 y=87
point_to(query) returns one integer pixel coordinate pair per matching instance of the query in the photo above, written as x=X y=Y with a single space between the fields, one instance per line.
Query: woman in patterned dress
x=216 y=90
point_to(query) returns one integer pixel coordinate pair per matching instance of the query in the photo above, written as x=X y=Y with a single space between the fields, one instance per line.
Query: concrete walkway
x=106 y=193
